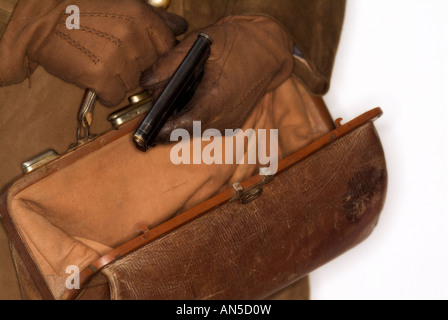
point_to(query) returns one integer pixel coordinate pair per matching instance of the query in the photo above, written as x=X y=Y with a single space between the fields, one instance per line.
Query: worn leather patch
x=360 y=195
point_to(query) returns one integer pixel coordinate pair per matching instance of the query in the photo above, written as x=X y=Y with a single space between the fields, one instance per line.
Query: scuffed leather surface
x=307 y=216
x=300 y=290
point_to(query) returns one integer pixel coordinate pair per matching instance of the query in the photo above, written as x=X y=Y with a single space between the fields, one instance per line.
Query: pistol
x=177 y=93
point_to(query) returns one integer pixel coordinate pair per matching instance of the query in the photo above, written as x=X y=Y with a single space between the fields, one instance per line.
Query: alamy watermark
x=230 y=149
x=73 y=21
x=72 y=281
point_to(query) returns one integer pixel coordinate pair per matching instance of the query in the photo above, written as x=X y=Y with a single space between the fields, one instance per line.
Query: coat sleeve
x=6 y=9
x=314 y=25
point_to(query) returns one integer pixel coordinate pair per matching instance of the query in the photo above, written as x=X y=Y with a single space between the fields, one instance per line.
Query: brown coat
x=40 y=113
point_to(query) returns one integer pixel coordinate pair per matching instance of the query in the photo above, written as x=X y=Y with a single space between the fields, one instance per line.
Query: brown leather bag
x=245 y=239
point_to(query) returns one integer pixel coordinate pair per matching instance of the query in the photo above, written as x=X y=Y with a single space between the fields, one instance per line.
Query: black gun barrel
x=188 y=72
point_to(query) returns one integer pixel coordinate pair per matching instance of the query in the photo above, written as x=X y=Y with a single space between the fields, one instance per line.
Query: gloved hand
x=117 y=40
x=250 y=56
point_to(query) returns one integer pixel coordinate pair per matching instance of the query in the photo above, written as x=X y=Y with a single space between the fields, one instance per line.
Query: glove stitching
x=109 y=15
x=101 y=34
x=78 y=46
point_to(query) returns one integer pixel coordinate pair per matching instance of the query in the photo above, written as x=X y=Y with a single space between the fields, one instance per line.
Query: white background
x=393 y=54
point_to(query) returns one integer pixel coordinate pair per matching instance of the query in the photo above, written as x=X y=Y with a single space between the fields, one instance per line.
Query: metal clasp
x=251 y=194
x=85 y=117
x=164 y=4
x=139 y=104
x=39 y=161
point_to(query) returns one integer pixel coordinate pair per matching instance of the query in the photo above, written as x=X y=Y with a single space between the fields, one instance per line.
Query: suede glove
x=250 y=56
x=117 y=40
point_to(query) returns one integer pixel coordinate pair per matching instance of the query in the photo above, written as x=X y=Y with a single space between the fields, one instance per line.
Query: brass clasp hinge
x=85 y=117
x=251 y=194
